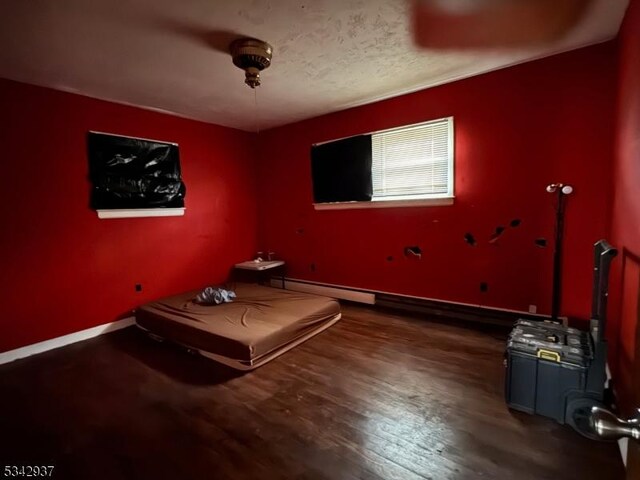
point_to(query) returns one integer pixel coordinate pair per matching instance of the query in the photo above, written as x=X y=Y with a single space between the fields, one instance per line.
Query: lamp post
x=561 y=191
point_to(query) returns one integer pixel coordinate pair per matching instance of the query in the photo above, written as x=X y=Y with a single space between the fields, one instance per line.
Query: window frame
x=424 y=200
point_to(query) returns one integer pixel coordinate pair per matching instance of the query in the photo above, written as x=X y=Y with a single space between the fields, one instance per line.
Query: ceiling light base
x=252 y=56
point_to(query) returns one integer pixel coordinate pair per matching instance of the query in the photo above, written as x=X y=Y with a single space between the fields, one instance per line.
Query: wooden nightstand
x=261 y=267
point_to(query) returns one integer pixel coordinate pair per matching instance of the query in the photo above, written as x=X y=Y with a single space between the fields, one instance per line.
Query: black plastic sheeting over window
x=134 y=173
x=341 y=170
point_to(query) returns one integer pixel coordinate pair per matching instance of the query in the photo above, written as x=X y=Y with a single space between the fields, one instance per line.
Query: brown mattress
x=262 y=323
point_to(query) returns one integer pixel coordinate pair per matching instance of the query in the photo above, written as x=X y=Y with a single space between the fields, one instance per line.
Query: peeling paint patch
x=496 y=234
x=413 y=251
x=390 y=258
x=470 y=239
x=484 y=287
x=540 y=242
x=515 y=223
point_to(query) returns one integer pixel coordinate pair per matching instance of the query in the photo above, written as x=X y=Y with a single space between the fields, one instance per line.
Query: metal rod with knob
x=561 y=191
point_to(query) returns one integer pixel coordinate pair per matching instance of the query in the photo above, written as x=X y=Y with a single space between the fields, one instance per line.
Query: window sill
x=141 y=212
x=422 y=202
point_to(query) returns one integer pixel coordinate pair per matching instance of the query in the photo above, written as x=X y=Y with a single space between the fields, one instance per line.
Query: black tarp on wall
x=134 y=173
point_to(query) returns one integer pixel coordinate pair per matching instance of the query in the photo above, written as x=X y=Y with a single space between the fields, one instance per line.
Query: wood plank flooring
x=377 y=396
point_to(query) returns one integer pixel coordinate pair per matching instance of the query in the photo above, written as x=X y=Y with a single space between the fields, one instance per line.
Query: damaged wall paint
x=413 y=252
x=496 y=234
x=517 y=130
x=541 y=242
x=470 y=239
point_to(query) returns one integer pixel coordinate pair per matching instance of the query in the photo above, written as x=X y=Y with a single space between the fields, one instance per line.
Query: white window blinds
x=413 y=162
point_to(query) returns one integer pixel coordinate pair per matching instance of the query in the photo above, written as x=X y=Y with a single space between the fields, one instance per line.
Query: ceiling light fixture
x=252 y=56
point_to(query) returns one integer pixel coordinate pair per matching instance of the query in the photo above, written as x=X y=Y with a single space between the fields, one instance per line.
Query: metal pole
x=557 y=257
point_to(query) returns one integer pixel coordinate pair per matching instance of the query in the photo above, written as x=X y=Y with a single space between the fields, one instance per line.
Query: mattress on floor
x=262 y=323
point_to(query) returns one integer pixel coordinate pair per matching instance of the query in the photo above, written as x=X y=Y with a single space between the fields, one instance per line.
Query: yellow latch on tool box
x=549 y=355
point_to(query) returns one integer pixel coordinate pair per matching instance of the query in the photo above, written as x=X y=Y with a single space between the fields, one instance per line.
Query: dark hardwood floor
x=377 y=396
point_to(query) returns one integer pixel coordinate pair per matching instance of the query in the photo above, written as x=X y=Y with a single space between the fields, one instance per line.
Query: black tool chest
x=558 y=371
x=545 y=362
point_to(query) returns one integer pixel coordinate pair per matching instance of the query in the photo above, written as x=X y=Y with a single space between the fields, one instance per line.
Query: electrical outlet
x=138 y=287
x=533 y=308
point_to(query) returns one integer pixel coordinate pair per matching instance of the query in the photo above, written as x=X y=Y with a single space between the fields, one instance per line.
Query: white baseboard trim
x=58 y=342
x=327 y=290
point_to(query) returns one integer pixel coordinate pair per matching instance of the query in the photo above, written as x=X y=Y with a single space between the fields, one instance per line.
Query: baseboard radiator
x=334 y=291
x=426 y=306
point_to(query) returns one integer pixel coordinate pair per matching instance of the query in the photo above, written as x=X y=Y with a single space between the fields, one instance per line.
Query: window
x=407 y=166
x=414 y=162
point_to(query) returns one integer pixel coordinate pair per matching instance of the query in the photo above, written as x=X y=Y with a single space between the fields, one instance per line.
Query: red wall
x=517 y=130
x=62 y=268
x=625 y=286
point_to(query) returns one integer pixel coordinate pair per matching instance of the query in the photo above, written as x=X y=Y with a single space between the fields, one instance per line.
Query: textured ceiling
x=172 y=55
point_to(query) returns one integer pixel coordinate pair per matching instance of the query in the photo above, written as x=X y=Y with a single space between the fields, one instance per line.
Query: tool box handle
x=604 y=253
